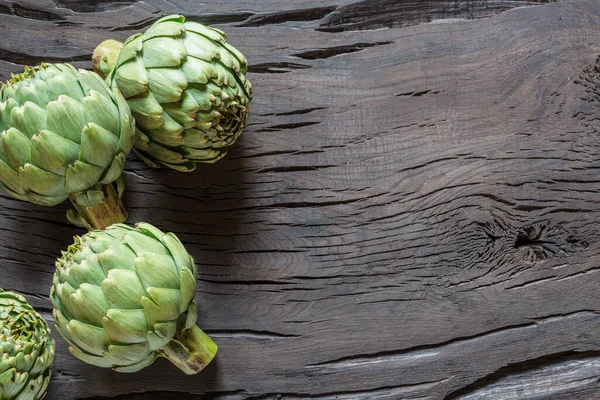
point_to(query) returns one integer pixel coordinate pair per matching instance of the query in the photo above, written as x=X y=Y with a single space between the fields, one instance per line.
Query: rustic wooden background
x=413 y=212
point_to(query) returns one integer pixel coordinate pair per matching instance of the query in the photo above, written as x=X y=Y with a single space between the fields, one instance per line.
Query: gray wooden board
x=413 y=212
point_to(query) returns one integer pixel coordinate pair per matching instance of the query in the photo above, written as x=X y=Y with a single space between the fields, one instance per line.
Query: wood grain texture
x=412 y=213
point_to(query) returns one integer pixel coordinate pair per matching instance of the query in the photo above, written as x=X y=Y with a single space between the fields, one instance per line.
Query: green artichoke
x=124 y=296
x=26 y=350
x=186 y=88
x=65 y=134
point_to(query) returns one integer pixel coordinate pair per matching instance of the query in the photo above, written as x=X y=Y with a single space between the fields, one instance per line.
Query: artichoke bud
x=26 y=350
x=125 y=295
x=64 y=132
x=175 y=73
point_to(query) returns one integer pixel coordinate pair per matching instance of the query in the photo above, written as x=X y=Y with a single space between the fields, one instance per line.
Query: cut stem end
x=105 y=57
x=191 y=350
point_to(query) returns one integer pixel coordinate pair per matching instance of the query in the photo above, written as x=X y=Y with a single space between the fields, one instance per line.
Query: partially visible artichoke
x=186 y=88
x=65 y=134
x=26 y=350
x=124 y=296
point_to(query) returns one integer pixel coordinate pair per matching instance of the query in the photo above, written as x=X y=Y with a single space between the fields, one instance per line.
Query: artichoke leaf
x=123 y=289
x=157 y=342
x=173 y=27
x=89 y=338
x=131 y=48
x=15 y=149
x=125 y=326
x=191 y=316
x=177 y=251
x=65 y=117
x=165 y=330
x=197 y=70
x=64 y=84
x=36 y=92
x=137 y=366
x=117 y=256
x=53 y=153
x=166 y=84
x=5 y=110
x=90 y=81
x=168 y=134
x=167 y=299
x=201 y=47
x=165 y=155
x=88 y=304
x=98 y=361
x=140 y=242
x=147 y=160
x=187 y=290
x=81 y=176
x=207 y=155
x=131 y=353
x=131 y=77
x=156 y=270
x=203 y=98
x=88 y=271
x=29 y=118
x=213 y=34
x=41 y=182
x=11 y=182
x=98 y=146
x=153 y=312
x=115 y=170
x=101 y=110
x=163 y=52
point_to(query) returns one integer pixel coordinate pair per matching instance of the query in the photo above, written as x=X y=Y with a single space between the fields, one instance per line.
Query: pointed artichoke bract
x=26 y=350
x=186 y=87
x=65 y=134
x=124 y=296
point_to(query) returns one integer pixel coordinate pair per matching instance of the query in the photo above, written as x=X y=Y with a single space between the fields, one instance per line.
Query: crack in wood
x=32 y=60
x=373 y=14
x=544 y=377
x=89 y=6
x=296 y=168
x=22 y=11
x=409 y=355
x=276 y=67
x=248 y=334
x=172 y=395
x=413 y=353
x=5 y=9
x=294 y=125
x=295 y=112
x=225 y=18
x=419 y=93
x=390 y=392
x=306 y=14
x=335 y=51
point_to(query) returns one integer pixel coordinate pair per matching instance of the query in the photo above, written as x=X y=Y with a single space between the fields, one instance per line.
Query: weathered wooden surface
x=413 y=212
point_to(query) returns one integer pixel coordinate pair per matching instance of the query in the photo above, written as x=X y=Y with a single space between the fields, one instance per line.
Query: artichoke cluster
x=177 y=92
x=122 y=296
x=26 y=350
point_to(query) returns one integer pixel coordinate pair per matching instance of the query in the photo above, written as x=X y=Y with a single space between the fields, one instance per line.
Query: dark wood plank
x=412 y=214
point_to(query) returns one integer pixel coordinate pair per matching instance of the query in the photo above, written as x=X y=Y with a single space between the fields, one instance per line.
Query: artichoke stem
x=105 y=56
x=190 y=350
x=109 y=210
